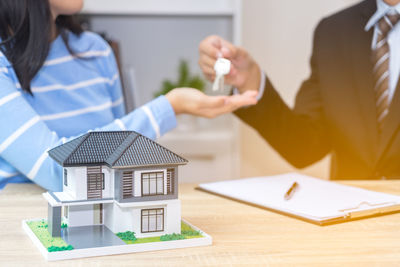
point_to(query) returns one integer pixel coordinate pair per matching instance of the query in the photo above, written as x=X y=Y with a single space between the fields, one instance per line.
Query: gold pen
x=291 y=191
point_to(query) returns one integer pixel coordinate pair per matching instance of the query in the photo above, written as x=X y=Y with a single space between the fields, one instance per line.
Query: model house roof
x=115 y=149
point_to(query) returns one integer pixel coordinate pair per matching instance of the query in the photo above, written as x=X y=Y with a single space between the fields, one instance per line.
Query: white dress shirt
x=260 y=88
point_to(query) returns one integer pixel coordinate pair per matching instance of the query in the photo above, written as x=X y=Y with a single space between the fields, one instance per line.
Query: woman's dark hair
x=26 y=32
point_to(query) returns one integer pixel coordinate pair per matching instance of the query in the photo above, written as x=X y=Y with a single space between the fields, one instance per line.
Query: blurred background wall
x=283 y=53
x=154 y=35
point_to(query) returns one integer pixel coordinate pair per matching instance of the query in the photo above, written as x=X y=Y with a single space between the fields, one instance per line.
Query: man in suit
x=348 y=107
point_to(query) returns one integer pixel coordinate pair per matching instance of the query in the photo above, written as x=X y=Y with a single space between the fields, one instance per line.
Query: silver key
x=222 y=67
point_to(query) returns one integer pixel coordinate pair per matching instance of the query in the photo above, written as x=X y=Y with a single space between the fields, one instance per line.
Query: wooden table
x=242 y=235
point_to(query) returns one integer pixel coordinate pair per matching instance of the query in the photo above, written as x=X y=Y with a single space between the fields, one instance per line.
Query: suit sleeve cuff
x=260 y=89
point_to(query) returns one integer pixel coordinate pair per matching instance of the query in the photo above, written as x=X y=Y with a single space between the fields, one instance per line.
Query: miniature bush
x=64 y=225
x=42 y=224
x=128 y=236
x=62 y=248
x=172 y=237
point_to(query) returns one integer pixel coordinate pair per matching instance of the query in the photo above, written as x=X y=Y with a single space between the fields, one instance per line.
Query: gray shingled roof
x=115 y=149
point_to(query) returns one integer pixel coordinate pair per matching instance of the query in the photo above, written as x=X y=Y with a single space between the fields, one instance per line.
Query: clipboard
x=317 y=201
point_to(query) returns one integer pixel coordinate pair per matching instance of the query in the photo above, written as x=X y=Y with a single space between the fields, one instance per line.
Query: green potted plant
x=185 y=79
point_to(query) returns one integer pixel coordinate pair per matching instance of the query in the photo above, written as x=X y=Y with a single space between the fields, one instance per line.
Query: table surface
x=242 y=235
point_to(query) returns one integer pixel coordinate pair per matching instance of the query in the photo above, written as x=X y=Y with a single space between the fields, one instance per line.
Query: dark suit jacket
x=335 y=108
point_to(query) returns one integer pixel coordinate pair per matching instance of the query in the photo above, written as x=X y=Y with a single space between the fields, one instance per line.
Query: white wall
x=71 y=183
x=152 y=46
x=80 y=215
x=279 y=35
x=121 y=219
x=77 y=182
x=109 y=180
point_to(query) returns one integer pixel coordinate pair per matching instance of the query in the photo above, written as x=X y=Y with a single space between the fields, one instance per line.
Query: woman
x=57 y=81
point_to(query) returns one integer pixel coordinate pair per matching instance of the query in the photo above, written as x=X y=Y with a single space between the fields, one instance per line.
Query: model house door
x=98 y=214
x=94 y=182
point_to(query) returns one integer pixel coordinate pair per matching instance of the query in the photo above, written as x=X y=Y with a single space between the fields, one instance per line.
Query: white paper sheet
x=315 y=199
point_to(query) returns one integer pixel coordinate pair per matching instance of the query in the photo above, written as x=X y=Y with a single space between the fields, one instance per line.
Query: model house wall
x=124 y=218
x=75 y=182
x=121 y=179
x=80 y=215
x=71 y=179
x=128 y=217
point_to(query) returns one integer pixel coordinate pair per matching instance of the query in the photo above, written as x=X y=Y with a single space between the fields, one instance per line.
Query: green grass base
x=39 y=228
x=187 y=231
x=143 y=240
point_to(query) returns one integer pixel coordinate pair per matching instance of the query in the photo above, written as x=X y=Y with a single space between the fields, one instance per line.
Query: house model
x=121 y=180
x=120 y=195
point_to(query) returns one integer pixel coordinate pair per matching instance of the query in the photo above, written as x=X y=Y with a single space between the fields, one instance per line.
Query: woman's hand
x=194 y=102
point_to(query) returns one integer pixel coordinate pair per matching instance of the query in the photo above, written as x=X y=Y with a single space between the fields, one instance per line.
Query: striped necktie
x=381 y=67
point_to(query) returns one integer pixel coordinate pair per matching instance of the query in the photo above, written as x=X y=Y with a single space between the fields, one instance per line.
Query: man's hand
x=245 y=73
x=194 y=102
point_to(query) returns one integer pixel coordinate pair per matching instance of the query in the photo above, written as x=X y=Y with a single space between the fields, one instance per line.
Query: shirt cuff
x=163 y=114
x=260 y=89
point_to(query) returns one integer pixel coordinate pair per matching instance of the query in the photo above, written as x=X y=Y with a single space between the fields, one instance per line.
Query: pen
x=291 y=191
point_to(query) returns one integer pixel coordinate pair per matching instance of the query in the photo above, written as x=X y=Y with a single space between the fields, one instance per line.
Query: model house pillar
x=54 y=221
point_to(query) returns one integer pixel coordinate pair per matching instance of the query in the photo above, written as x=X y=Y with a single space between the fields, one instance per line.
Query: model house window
x=127 y=184
x=152 y=220
x=103 y=181
x=152 y=183
x=65 y=177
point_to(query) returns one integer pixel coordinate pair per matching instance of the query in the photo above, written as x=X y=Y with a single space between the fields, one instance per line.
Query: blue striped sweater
x=70 y=97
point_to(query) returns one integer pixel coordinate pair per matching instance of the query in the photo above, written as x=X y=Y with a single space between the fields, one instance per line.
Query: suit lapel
x=391 y=123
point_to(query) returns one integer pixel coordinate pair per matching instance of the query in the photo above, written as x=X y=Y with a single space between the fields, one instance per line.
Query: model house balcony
x=62 y=198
